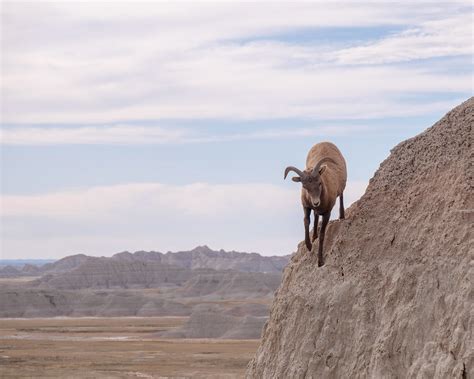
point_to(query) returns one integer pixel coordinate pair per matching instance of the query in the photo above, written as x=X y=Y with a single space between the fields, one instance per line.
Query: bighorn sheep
x=323 y=180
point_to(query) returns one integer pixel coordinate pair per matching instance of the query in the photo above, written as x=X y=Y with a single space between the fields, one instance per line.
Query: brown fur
x=333 y=179
x=321 y=189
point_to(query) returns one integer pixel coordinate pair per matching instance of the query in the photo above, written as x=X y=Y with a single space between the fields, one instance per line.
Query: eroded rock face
x=209 y=321
x=231 y=283
x=395 y=298
x=31 y=302
x=112 y=273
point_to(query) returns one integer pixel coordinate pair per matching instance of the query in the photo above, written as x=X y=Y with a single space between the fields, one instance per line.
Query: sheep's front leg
x=321 y=238
x=315 y=227
x=341 y=207
x=307 y=221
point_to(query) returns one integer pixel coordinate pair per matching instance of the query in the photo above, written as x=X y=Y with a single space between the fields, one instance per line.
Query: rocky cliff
x=395 y=298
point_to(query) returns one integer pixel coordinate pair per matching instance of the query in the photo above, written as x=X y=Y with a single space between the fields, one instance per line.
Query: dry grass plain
x=122 y=347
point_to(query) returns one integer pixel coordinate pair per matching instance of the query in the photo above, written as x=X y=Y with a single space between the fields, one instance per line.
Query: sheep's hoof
x=309 y=246
x=320 y=263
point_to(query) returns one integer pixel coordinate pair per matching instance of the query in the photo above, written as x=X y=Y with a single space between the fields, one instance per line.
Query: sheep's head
x=311 y=180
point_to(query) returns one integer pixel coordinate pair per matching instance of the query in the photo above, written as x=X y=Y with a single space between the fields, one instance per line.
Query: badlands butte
x=225 y=294
x=395 y=297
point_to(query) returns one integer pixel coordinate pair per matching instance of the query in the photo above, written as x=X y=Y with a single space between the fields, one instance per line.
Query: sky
x=166 y=125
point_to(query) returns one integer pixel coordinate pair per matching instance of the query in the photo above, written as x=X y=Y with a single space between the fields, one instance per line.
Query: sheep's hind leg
x=307 y=221
x=321 y=238
x=341 y=207
x=315 y=227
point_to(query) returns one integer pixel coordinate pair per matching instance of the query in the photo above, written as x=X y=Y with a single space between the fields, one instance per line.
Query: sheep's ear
x=322 y=168
x=296 y=179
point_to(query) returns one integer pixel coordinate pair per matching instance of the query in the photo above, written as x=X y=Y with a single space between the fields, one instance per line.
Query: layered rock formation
x=231 y=283
x=10 y=272
x=140 y=284
x=31 y=302
x=395 y=298
x=201 y=257
x=208 y=321
x=204 y=257
x=112 y=273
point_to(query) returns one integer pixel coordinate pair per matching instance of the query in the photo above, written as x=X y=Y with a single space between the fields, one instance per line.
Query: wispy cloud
x=138 y=135
x=431 y=39
x=116 y=134
x=156 y=216
x=88 y=63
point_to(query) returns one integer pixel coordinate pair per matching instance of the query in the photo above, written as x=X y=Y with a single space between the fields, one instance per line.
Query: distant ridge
x=22 y=262
x=199 y=257
x=205 y=257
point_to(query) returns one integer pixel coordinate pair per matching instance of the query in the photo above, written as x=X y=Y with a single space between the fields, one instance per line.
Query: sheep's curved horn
x=320 y=163
x=291 y=168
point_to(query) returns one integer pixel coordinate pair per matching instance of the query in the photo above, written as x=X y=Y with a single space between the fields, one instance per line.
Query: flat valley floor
x=118 y=347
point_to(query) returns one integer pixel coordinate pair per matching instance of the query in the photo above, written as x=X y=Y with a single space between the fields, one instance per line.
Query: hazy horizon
x=46 y=259
x=165 y=126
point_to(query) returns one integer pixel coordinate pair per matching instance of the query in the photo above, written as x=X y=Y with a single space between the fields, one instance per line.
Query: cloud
x=104 y=220
x=431 y=39
x=88 y=63
x=93 y=71
x=115 y=134
x=137 y=135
